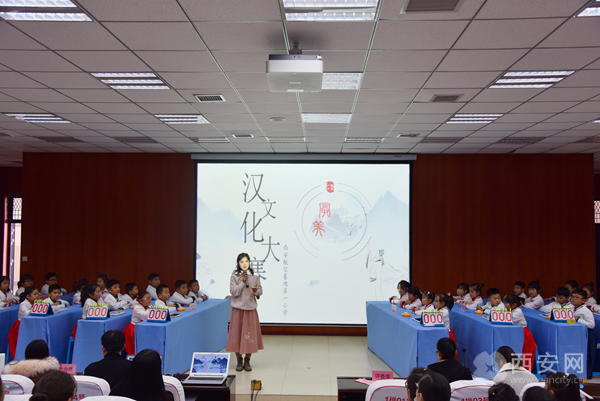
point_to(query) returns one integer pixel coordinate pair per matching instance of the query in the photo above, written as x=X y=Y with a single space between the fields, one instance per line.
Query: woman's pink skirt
x=244 y=332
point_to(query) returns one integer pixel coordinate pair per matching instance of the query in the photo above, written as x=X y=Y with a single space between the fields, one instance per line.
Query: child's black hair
x=511 y=299
x=27 y=291
x=590 y=287
x=179 y=283
x=493 y=291
x=238 y=269
x=429 y=295
x=415 y=291
x=445 y=299
x=581 y=293
x=79 y=285
x=405 y=285
x=564 y=291
x=53 y=287
x=142 y=294
x=111 y=283
x=463 y=286
x=104 y=278
x=152 y=276
x=502 y=392
x=160 y=288
x=24 y=277
x=50 y=275
x=129 y=287
x=4 y=278
x=572 y=283
x=507 y=355
x=89 y=289
x=535 y=284
x=477 y=287
x=192 y=281
x=520 y=284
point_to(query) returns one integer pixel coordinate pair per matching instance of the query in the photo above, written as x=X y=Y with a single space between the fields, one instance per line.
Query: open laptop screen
x=205 y=363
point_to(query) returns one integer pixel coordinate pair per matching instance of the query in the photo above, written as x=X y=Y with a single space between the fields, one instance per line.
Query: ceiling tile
x=229 y=118
x=543 y=107
x=134 y=10
x=95 y=95
x=17 y=80
x=566 y=94
x=584 y=78
x=372 y=108
x=394 y=80
x=480 y=60
x=326 y=96
x=56 y=107
x=222 y=108
x=242 y=36
x=316 y=36
x=248 y=80
x=36 y=95
x=179 y=61
x=374 y=118
x=582 y=32
x=506 y=34
x=289 y=118
x=404 y=60
x=244 y=61
x=11 y=38
x=343 y=61
x=231 y=10
x=486 y=108
x=426 y=95
x=326 y=107
x=392 y=11
x=273 y=108
x=433 y=108
x=461 y=79
x=574 y=117
x=424 y=118
x=168 y=108
x=28 y=60
x=523 y=118
x=258 y=96
x=152 y=96
x=156 y=36
x=506 y=95
x=509 y=9
x=116 y=108
x=586 y=107
x=417 y=35
x=66 y=80
x=191 y=80
x=19 y=107
x=556 y=59
x=105 y=61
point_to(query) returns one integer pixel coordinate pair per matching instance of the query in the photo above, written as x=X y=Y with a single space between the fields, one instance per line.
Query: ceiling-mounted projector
x=295 y=72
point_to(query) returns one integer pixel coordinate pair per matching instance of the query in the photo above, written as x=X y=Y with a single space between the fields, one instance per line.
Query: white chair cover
x=20 y=397
x=17 y=384
x=174 y=386
x=90 y=386
x=381 y=390
x=108 y=398
x=476 y=388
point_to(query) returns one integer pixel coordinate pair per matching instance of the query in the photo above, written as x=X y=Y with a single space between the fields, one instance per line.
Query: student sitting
x=54 y=293
x=448 y=366
x=442 y=302
x=26 y=281
x=412 y=381
x=538 y=394
x=563 y=386
x=535 y=300
x=113 y=368
x=427 y=299
x=512 y=371
x=140 y=314
x=519 y=290
x=494 y=301
x=414 y=299
x=195 y=291
x=475 y=293
x=163 y=293
x=90 y=297
x=502 y=392
x=54 y=386
x=462 y=293
x=434 y=387
x=180 y=297
x=6 y=297
x=584 y=316
x=111 y=298
x=51 y=278
x=102 y=281
x=403 y=287
x=143 y=381
x=589 y=288
x=28 y=297
x=36 y=364
x=79 y=286
x=562 y=299
x=131 y=293
x=153 y=283
x=514 y=303
x=571 y=285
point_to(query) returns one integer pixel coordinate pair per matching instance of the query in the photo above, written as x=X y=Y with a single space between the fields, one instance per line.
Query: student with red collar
x=414 y=299
x=475 y=293
x=6 y=297
x=535 y=300
x=112 y=297
x=403 y=287
x=562 y=299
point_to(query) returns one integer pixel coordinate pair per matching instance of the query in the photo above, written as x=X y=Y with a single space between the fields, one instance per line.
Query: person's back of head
x=506 y=354
x=538 y=394
x=37 y=349
x=502 y=392
x=113 y=341
x=434 y=387
x=565 y=387
x=411 y=382
x=446 y=348
x=144 y=380
x=54 y=386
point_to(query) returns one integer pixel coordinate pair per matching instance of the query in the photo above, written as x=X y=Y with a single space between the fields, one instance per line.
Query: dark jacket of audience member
x=434 y=387
x=54 y=386
x=449 y=367
x=144 y=380
x=37 y=362
x=113 y=368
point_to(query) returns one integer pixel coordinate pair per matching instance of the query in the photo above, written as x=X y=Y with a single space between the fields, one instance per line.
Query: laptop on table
x=208 y=368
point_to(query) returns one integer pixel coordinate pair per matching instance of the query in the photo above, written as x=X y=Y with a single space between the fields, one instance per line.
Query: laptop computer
x=208 y=368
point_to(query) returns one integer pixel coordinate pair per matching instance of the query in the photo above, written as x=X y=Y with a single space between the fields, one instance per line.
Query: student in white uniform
x=414 y=299
x=443 y=303
x=589 y=288
x=112 y=298
x=475 y=293
x=535 y=300
x=153 y=283
x=562 y=299
x=519 y=290
x=28 y=298
x=25 y=282
x=427 y=300
x=585 y=316
x=403 y=287
x=180 y=296
x=195 y=292
x=51 y=278
x=131 y=294
x=90 y=297
x=163 y=293
x=55 y=302
x=514 y=303
x=102 y=281
x=462 y=293
x=6 y=297
x=141 y=312
x=494 y=301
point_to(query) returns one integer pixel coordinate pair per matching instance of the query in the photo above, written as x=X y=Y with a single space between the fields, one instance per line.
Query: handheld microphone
x=246 y=280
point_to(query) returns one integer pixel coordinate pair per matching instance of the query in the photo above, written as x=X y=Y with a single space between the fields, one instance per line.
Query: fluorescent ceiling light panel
x=37 y=3
x=473 y=118
x=287 y=139
x=329 y=3
x=441 y=139
x=132 y=81
x=596 y=121
x=139 y=87
x=123 y=74
x=38 y=118
x=537 y=73
x=331 y=16
x=61 y=17
x=527 y=80
x=182 y=118
x=217 y=139
x=326 y=118
x=590 y=12
x=363 y=140
x=342 y=80
x=527 y=86
x=478 y=115
x=520 y=140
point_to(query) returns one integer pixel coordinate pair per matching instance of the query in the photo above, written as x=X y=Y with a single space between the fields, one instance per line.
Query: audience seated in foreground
x=1 y=390
x=113 y=368
x=564 y=387
x=502 y=392
x=433 y=387
x=54 y=386
x=512 y=371
x=37 y=362
x=538 y=394
x=411 y=382
x=143 y=381
x=449 y=367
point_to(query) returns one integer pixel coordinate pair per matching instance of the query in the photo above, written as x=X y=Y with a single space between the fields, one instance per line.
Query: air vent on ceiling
x=591 y=139
x=134 y=139
x=428 y=6
x=58 y=139
x=287 y=139
x=210 y=98
x=362 y=140
x=214 y=139
x=408 y=135
x=520 y=140
x=242 y=136
x=445 y=98
x=440 y=139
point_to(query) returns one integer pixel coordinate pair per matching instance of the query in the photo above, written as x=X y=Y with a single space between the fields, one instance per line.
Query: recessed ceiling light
x=182 y=118
x=342 y=80
x=132 y=81
x=287 y=139
x=277 y=119
x=537 y=73
x=329 y=3
x=139 y=87
x=528 y=86
x=330 y=16
x=214 y=139
x=441 y=139
x=38 y=118
x=134 y=139
x=62 y=17
x=473 y=118
x=123 y=74
x=527 y=80
x=326 y=118
x=330 y=10
x=37 y=3
x=363 y=140
x=590 y=12
x=520 y=140
x=596 y=121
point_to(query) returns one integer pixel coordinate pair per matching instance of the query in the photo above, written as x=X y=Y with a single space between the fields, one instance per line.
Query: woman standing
x=244 y=330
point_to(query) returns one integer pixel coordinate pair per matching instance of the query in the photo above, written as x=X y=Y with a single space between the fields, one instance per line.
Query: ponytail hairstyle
x=464 y=287
x=535 y=284
x=89 y=289
x=411 y=382
x=54 y=386
x=25 y=293
x=445 y=299
x=506 y=354
x=477 y=287
x=81 y=284
x=415 y=291
x=141 y=295
x=502 y=392
x=512 y=299
x=238 y=269
x=590 y=289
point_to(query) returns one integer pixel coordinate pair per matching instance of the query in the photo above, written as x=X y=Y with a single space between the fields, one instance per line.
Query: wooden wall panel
x=123 y=214
x=500 y=218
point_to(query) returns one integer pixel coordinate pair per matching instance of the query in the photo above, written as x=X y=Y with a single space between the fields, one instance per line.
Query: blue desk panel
x=204 y=330
x=400 y=342
x=55 y=330
x=88 y=343
x=481 y=339
x=7 y=318
x=557 y=340
x=68 y=297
